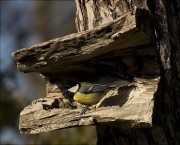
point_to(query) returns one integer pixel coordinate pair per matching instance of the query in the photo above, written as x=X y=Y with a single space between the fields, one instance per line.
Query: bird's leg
x=84 y=110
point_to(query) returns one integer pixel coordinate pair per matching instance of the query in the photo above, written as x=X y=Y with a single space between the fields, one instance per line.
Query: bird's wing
x=98 y=88
x=89 y=88
x=102 y=88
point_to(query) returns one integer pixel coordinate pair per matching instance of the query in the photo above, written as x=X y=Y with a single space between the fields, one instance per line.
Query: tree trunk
x=159 y=19
x=133 y=41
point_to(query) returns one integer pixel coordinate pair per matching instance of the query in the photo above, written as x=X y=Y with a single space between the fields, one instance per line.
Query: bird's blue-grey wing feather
x=89 y=88
x=98 y=88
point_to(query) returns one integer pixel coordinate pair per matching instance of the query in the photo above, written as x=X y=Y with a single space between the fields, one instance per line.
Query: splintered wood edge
x=131 y=108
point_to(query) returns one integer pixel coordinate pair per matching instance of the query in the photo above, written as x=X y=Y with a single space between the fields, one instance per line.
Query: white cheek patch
x=74 y=89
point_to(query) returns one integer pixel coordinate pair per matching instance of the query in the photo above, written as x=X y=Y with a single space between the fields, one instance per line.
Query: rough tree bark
x=165 y=17
x=118 y=41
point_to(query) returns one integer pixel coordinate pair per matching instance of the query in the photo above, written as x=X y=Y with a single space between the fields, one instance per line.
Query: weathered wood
x=105 y=54
x=120 y=37
x=90 y=14
x=129 y=41
x=128 y=107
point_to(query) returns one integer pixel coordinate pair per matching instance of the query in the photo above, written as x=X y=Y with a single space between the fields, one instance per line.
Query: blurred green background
x=25 y=23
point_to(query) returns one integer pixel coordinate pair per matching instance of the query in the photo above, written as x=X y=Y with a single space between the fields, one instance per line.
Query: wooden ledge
x=120 y=37
x=129 y=107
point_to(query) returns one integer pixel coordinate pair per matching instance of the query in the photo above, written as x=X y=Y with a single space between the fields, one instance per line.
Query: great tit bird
x=90 y=94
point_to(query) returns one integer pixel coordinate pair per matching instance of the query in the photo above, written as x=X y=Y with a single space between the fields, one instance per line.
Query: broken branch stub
x=105 y=54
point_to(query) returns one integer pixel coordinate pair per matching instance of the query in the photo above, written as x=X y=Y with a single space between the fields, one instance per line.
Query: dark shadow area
x=117 y=100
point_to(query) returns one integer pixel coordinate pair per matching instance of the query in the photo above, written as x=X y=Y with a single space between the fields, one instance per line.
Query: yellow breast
x=88 y=99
